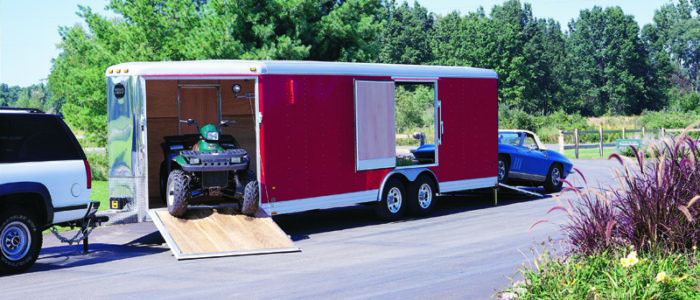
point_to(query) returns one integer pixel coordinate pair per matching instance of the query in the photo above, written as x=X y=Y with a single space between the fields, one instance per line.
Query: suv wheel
x=20 y=240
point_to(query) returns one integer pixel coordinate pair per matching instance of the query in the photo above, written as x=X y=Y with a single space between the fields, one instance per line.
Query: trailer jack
x=88 y=223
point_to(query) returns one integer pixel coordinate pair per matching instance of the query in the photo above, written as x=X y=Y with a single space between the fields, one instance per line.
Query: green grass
x=99 y=193
x=610 y=275
x=589 y=153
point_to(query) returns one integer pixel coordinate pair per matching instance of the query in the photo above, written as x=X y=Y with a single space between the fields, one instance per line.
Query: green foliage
x=609 y=275
x=405 y=37
x=98 y=165
x=414 y=107
x=34 y=96
x=609 y=64
x=181 y=29
x=668 y=119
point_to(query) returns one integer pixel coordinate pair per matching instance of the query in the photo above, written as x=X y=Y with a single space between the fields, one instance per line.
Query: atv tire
x=251 y=199
x=178 y=193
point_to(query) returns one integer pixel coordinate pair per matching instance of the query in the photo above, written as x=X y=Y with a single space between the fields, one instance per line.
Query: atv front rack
x=227 y=160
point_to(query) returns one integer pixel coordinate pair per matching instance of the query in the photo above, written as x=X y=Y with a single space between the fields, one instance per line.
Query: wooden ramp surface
x=221 y=231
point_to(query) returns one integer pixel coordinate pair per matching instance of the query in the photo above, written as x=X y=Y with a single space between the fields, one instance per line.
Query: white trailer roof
x=212 y=68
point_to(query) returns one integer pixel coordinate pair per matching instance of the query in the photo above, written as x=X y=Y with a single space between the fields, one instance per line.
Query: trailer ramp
x=519 y=190
x=220 y=231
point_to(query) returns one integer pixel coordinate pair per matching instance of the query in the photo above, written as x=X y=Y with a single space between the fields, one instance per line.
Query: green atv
x=206 y=164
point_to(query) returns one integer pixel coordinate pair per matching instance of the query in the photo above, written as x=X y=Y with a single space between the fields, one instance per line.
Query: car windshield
x=510 y=138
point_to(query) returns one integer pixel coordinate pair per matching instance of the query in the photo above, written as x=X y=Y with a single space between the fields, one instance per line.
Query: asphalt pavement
x=467 y=249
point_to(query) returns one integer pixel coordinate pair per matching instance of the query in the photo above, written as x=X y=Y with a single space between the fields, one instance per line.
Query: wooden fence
x=600 y=132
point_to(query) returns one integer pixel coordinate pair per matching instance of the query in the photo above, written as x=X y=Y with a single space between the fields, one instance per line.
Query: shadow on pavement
x=300 y=225
x=71 y=256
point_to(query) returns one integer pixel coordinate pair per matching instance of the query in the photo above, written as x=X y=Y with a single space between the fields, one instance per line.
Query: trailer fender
x=407 y=175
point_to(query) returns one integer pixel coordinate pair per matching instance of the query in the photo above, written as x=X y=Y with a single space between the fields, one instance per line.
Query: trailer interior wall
x=162 y=120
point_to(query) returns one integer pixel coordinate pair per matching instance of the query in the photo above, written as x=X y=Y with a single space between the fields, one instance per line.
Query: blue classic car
x=523 y=160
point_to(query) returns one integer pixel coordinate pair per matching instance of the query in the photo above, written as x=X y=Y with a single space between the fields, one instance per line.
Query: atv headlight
x=236 y=160
x=194 y=161
x=212 y=136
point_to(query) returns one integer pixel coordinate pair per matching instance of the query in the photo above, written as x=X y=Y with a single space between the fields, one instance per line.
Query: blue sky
x=29 y=28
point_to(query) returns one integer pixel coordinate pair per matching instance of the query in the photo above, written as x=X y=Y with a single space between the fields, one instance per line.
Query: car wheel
x=178 y=194
x=251 y=199
x=421 y=196
x=391 y=206
x=552 y=183
x=20 y=240
x=503 y=168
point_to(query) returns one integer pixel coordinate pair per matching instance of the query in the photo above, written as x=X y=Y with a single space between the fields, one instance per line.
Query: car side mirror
x=532 y=147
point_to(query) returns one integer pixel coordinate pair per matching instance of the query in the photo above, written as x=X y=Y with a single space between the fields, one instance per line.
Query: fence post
x=600 y=141
x=623 y=132
x=561 y=141
x=662 y=133
x=576 y=142
x=643 y=132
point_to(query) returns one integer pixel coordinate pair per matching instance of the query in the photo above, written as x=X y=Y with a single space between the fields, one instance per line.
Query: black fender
x=28 y=187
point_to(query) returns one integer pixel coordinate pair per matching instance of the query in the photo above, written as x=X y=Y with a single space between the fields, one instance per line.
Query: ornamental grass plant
x=636 y=241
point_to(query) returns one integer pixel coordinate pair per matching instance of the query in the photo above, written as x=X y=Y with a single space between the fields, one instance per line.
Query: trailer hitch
x=87 y=224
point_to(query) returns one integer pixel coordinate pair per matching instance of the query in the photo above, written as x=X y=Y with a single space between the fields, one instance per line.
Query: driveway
x=468 y=249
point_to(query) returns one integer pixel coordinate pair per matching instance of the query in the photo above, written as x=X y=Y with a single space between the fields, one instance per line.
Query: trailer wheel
x=503 y=168
x=251 y=199
x=178 y=194
x=20 y=240
x=421 y=196
x=552 y=183
x=391 y=206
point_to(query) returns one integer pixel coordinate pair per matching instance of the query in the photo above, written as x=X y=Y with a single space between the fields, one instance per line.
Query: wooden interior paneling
x=162 y=113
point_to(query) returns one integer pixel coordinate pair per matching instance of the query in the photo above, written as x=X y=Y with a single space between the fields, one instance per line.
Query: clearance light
x=253 y=69
x=110 y=71
x=119 y=71
x=290 y=92
x=126 y=70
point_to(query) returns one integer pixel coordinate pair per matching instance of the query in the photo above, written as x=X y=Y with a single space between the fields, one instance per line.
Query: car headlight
x=212 y=136
x=194 y=161
x=236 y=160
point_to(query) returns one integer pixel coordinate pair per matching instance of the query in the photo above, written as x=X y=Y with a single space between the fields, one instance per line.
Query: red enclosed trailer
x=319 y=134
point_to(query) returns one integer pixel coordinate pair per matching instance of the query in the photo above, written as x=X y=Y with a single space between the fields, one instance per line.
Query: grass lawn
x=99 y=193
x=589 y=153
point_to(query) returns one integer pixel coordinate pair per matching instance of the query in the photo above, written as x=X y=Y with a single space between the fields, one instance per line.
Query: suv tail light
x=89 y=174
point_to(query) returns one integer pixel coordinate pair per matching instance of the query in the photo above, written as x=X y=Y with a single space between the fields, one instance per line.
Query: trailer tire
x=421 y=196
x=503 y=168
x=251 y=198
x=554 y=173
x=178 y=193
x=392 y=204
x=20 y=240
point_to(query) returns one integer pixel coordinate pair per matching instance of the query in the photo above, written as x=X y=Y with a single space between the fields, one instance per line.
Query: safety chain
x=77 y=238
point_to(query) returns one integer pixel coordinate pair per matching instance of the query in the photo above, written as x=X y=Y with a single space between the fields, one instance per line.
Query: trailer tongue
x=220 y=231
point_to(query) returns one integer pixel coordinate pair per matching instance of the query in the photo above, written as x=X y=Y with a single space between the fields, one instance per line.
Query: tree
x=157 y=30
x=405 y=38
x=609 y=63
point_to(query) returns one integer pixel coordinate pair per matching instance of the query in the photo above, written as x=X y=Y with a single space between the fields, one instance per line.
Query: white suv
x=44 y=181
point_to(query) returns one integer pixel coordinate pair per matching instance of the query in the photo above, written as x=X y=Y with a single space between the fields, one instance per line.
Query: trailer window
x=374 y=130
x=415 y=123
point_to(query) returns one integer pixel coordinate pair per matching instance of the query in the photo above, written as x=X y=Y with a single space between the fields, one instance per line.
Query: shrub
x=98 y=165
x=655 y=209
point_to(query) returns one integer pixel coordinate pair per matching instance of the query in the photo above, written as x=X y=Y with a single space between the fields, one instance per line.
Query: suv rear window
x=35 y=137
